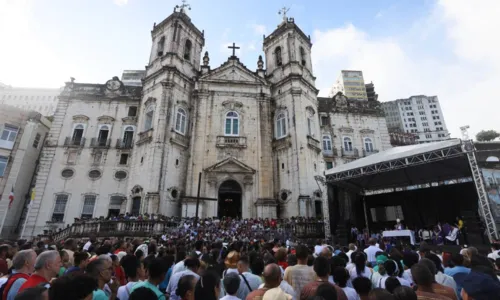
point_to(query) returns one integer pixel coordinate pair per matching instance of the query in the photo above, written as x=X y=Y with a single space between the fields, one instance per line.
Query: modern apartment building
x=21 y=140
x=43 y=101
x=351 y=84
x=420 y=115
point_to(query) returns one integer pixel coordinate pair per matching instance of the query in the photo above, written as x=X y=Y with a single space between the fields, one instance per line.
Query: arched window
x=180 y=121
x=368 y=145
x=148 y=118
x=232 y=126
x=160 y=47
x=327 y=143
x=77 y=134
x=102 y=138
x=347 y=144
x=128 y=137
x=277 y=54
x=187 y=50
x=280 y=126
x=302 y=56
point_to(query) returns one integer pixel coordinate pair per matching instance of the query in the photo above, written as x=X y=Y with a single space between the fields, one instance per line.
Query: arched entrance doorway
x=229 y=199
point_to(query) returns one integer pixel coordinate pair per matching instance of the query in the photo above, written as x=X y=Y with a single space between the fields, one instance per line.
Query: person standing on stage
x=399 y=225
x=461 y=227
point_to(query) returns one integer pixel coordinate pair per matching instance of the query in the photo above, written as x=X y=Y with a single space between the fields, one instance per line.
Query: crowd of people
x=254 y=270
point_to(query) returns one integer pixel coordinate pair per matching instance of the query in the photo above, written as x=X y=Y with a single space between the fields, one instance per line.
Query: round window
x=67 y=173
x=174 y=193
x=284 y=195
x=94 y=174
x=120 y=175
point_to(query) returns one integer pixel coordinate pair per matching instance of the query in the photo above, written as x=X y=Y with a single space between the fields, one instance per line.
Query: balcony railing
x=74 y=142
x=179 y=139
x=231 y=141
x=333 y=152
x=313 y=143
x=124 y=144
x=100 y=143
x=367 y=153
x=353 y=152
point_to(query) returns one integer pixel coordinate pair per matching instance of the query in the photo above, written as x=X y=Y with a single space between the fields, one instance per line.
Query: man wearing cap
x=479 y=286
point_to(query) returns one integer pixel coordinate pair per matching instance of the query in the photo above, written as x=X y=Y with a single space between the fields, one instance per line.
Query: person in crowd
x=352 y=248
x=101 y=269
x=64 y=263
x=477 y=285
x=440 y=277
x=23 y=265
x=192 y=265
x=379 y=270
x=70 y=248
x=169 y=261
x=247 y=278
x=404 y=293
x=121 y=246
x=322 y=270
x=300 y=274
x=185 y=287
x=134 y=270
x=272 y=279
x=275 y=294
x=281 y=259
x=157 y=270
x=424 y=279
x=393 y=269
x=372 y=250
x=380 y=294
x=456 y=265
x=409 y=259
x=208 y=286
x=4 y=252
x=327 y=291
x=73 y=286
x=81 y=259
x=362 y=285
x=231 y=284
x=143 y=293
x=198 y=247
x=39 y=292
x=47 y=266
x=341 y=276
x=89 y=243
x=360 y=269
x=392 y=283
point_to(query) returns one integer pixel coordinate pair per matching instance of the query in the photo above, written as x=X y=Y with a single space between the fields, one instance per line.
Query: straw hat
x=232 y=259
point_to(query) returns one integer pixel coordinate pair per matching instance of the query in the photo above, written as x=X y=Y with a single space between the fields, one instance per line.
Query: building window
x=302 y=56
x=429 y=136
x=102 y=138
x=67 y=173
x=324 y=121
x=123 y=158
x=327 y=143
x=347 y=144
x=187 y=50
x=36 y=142
x=88 y=206
x=232 y=124
x=128 y=137
x=161 y=46
x=280 y=126
x=368 y=145
x=329 y=165
x=120 y=175
x=148 y=118
x=94 y=174
x=8 y=137
x=277 y=55
x=77 y=134
x=180 y=121
x=132 y=111
x=3 y=165
x=59 y=208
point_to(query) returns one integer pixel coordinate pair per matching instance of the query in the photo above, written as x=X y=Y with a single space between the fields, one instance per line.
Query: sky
x=448 y=48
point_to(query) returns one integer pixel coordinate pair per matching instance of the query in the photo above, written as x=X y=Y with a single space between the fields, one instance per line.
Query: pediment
x=233 y=71
x=230 y=165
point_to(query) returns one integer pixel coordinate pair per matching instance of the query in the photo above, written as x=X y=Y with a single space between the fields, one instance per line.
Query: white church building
x=252 y=133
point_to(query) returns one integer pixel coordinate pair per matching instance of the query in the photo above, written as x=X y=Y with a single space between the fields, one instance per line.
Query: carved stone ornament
x=310 y=111
x=206 y=59
x=80 y=119
x=212 y=180
x=150 y=102
x=367 y=131
x=248 y=180
x=340 y=100
x=346 y=129
x=284 y=195
x=231 y=104
x=260 y=63
x=114 y=84
x=105 y=119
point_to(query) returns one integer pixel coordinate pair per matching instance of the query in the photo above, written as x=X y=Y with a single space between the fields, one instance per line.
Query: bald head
x=272 y=276
x=326 y=252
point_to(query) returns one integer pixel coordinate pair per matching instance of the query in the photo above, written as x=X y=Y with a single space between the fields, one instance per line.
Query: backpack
x=4 y=290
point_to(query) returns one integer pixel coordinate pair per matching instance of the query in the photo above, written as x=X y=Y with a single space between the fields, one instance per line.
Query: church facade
x=252 y=136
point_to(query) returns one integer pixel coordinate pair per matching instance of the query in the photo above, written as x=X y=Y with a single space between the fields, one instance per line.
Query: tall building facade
x=21 y=140
x=43 y=101
x=351 y=84
x=419 y=115
x=253 y=135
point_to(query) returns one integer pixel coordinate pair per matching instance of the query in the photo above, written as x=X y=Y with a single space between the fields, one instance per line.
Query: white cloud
x=120 y=2
x=259 y=29
x=465 y=77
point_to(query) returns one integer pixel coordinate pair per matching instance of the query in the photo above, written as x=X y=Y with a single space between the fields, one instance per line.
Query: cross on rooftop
x=234 y=47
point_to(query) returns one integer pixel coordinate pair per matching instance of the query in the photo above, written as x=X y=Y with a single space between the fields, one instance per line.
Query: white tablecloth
x=396 y=233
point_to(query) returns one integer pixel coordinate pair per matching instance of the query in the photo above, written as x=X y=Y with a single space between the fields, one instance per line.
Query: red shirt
x=120 y=275
x=33 y=281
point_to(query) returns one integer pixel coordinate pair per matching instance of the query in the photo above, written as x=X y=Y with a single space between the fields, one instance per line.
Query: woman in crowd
x=207 y=287
x=360 y=269
x=185 y=287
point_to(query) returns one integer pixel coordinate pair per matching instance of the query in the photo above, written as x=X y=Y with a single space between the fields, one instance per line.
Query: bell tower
x=296 y=143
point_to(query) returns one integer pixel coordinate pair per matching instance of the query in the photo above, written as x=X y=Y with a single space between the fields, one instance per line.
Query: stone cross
x=234 y=48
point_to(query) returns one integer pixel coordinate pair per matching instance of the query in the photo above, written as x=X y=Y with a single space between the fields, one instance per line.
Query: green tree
x=487 y=135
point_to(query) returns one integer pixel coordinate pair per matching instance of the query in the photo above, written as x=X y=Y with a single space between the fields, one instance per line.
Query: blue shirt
x=164 y=283
x=100 y=295
x=455 y=270
x=174 y=281
x=150 y=286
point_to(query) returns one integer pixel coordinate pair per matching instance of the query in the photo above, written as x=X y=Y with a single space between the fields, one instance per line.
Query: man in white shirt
x=192 y=264
x=495 y=251
x=352 y=248
x=231 y=284
x=371 y=251
x=134 y=270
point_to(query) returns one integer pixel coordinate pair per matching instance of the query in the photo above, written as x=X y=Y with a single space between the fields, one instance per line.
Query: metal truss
x=484 y=203
x=386 y=166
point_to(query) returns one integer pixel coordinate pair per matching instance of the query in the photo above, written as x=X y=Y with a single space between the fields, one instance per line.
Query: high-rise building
x=420 y=115
x=370 y=92
x=351 y=84
x=43 y=101
x=133 y=77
